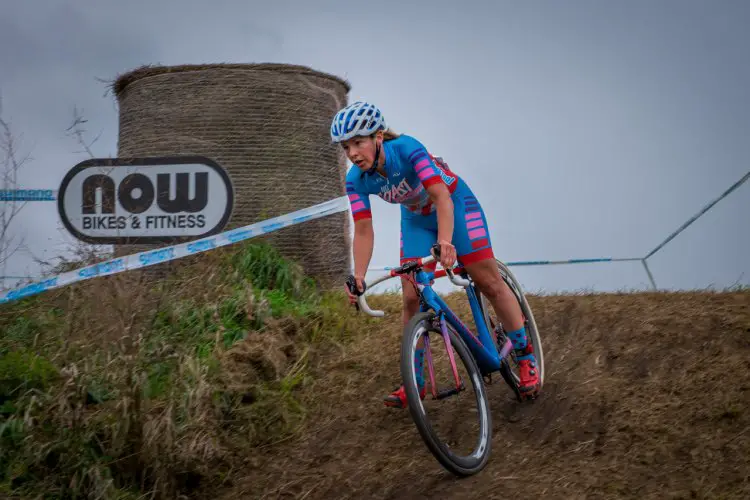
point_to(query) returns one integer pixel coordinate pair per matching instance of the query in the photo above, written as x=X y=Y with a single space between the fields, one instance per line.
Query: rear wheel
x=451 y=413
x=509 y=370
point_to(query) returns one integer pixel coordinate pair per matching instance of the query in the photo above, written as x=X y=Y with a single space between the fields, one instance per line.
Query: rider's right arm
x=358 y=201
x=364 y=237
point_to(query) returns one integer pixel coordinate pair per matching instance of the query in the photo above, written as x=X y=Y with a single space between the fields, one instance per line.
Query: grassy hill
x=236 y=378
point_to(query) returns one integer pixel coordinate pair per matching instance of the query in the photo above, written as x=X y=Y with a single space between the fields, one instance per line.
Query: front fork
x=459 y=385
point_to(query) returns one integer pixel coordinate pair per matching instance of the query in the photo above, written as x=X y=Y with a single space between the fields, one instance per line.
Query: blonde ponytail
x=390 y=134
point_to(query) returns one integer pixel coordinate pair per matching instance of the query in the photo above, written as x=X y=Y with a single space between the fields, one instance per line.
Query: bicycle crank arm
x=450 y=392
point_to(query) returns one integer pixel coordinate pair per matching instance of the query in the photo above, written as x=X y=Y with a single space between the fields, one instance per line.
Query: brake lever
x=351 y=283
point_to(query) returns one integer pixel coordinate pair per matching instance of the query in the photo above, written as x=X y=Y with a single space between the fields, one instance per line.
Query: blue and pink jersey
x=410 y=170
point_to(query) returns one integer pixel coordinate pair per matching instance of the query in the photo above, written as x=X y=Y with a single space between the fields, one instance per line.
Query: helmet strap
x=375 y=162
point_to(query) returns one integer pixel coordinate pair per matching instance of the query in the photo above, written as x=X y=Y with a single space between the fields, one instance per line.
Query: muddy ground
x=646 y=396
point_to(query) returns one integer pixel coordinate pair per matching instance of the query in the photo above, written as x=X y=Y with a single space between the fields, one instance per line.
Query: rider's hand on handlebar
x=360 y=286
x=447 y=254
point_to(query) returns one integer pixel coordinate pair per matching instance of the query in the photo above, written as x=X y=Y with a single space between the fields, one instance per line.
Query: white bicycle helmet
x=359 y=118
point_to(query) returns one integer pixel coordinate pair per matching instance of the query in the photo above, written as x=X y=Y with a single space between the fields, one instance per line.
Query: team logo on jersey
x=446 y=178
x=397 y=194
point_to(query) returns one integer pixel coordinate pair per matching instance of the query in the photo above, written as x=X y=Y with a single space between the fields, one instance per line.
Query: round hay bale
x=268 y=126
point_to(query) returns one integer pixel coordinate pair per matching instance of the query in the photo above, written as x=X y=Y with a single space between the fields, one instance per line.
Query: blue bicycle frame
x=483 y=347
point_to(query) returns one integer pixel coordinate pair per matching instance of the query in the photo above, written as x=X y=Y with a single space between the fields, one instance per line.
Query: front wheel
x=455 y=396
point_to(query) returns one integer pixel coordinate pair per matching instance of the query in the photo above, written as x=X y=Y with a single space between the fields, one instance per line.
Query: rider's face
x=361 y=150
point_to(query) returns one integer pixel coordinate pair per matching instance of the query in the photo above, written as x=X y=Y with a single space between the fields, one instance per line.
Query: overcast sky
x=585 y=128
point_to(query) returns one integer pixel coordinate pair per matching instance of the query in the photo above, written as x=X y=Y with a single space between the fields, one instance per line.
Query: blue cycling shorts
x=471 y=235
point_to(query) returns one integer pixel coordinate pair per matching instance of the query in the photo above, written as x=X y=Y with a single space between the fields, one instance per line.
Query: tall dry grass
x=132 y=387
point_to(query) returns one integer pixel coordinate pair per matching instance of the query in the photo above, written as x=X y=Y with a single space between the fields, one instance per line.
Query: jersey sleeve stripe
x=417 y=155
x=426 y=174
x=432 y=180
x=473 y=215
x=362 y=214
x=475 y=223
x=422 y=164
x=359 y=205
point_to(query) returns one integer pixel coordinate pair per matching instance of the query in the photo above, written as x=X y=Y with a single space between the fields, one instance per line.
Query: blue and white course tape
x=151 y=257
x=27 y=195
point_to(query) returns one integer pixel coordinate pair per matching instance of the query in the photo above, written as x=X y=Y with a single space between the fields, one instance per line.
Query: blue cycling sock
x=520 y=342
x=419 y=367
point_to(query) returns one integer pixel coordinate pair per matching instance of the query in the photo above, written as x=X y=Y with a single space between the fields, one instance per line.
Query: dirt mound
x=646 y=396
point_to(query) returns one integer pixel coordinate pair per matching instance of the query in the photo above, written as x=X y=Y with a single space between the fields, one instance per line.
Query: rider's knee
x=411 y=303
x=411 y=299
x=497 y=288
x=491 y=286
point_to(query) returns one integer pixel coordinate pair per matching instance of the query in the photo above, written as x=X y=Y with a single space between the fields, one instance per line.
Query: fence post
x=650 y=276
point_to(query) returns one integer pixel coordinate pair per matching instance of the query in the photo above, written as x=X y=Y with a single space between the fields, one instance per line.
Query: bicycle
x=479 y=354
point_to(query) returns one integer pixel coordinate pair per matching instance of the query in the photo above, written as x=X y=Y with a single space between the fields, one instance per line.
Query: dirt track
x=647 y=396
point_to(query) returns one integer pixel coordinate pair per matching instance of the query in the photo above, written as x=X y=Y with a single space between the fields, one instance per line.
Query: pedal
x=450 y=392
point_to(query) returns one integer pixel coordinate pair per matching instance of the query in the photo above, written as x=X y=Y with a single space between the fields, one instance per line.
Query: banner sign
x=145 y=200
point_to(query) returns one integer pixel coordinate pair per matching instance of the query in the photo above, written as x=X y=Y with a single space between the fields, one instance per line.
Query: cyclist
x=437 y=206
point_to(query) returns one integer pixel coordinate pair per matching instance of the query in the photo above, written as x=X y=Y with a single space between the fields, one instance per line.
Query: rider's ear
x=379 y=137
